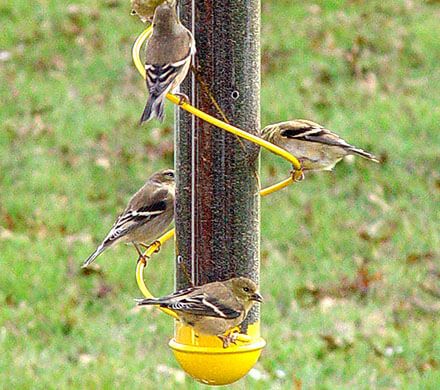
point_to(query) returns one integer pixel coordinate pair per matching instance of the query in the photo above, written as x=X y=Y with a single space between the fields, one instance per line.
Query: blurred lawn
x=356 y=252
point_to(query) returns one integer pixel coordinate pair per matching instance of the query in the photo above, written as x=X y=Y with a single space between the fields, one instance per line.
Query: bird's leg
x=229 y=339
x=141 y=255
x=156 y=243
x=158 y=246
x=224 y=340
x=182 y=98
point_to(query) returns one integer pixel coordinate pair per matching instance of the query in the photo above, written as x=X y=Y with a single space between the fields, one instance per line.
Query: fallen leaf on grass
x=10 y=300
x=383 y=157
x=9 y=220
x=425 y=307
x=434 y=270
x=378 y=199
x=431 y=288
x=364 y=279
x=314 y=9
x=378 y=232
x=112 y=3
x=414 y=258
x=102 y=162
x=334 y=342
x=376 y=349
x=93 y=269
x=369 y=83
x=361 y=284
x=327 y=304
x=58 y=63
x=86 y=358
x=5 y=234
x=430 y=364
x=102 y=290
x=437 y=184
x=75 y=12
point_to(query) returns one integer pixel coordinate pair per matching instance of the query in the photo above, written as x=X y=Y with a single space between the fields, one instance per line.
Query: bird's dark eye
x=246 y=289
x=170 y=174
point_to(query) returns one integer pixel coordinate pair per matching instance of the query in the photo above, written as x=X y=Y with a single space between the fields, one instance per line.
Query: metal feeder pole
x=217 y=199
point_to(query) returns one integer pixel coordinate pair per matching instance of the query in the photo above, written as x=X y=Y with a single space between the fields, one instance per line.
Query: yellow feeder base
x=205 y=359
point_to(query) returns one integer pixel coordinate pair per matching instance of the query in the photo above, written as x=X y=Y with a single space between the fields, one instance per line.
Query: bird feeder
x=217 y=180
x=217 y=200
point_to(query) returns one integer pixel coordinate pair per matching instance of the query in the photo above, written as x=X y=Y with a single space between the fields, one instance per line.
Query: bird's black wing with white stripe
x=204 y=305
x=126 y=222
x=201 y=304
x=312 y=133
x=160 y=77
x=132 y=219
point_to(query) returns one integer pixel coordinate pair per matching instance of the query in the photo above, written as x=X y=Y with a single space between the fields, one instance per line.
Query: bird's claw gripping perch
x=229 y=339
x=297 y=175
x=183 y=99
x=158 y=245
x=141 y=257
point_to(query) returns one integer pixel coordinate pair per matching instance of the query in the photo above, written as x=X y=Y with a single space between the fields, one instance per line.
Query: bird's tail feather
x=94 y=255
x=147 y=301
x=153 y=108
x=364 y=154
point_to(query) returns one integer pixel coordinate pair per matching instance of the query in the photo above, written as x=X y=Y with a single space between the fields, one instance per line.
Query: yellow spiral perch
x=203 y=357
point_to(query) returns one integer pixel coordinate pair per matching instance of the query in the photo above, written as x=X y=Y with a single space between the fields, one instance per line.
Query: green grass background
x=345 y=255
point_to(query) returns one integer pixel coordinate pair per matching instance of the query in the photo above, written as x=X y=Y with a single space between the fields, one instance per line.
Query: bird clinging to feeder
x=168 y=58
x=214 y=308
x=316 y=147
x=146 y=217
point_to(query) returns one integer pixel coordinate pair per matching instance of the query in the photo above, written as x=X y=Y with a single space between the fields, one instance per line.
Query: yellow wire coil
x=276 y=187
x=216 y=122
x=141 y=266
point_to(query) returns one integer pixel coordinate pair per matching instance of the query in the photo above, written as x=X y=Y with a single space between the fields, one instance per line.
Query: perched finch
x=214 y=308
x=168 y=58
x=145 y=8
x=147 y=216
x=315 y=147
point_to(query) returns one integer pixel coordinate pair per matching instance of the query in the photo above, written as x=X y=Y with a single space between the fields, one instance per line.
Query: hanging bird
x=214 y=308
x=147 y=216
x=316 y=147
x=168 y=58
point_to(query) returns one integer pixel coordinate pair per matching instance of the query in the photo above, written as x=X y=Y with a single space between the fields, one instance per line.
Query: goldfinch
x=212 y=309
x=316 y=147
x=144 y=9
x=146 y=217
x=168 y=58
